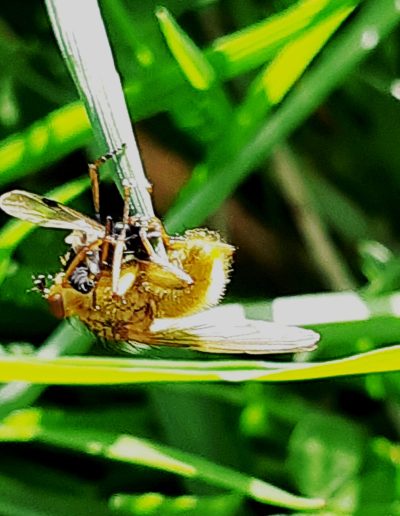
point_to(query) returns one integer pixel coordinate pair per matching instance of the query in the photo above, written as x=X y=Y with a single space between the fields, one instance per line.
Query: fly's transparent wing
x=47 y=212
x=209 y=334
x=250 y=337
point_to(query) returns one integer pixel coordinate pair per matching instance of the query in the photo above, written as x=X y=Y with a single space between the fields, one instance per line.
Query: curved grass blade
x=111 y=371
x=49 y=428
x=64 y=340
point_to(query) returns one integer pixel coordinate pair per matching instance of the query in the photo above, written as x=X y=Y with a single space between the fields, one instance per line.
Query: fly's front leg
x=107 y=241
x=120 y=243
x=146 y=243
x=94 y=177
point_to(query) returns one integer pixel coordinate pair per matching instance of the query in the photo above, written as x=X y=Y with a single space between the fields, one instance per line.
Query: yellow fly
x=116 y=283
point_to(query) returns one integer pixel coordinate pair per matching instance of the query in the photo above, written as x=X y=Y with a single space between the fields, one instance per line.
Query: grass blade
x=35 y=424
x=100 y=88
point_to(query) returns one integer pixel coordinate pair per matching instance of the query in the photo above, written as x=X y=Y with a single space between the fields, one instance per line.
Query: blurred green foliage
x=288 y=109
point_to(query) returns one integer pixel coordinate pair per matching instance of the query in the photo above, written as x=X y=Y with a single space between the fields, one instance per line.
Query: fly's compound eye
x=81 y=281
x=56 y=305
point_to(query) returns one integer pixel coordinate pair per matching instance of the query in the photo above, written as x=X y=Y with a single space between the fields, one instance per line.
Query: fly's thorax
x=136 y=231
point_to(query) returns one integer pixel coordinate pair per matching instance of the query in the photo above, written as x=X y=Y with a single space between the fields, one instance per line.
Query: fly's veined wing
x=233 y=335
x=46 y=212
x=250 y=337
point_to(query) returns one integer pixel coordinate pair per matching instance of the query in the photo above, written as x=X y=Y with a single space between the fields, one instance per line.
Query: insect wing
x=213 y=332
x=46 y=212
x=250 y=337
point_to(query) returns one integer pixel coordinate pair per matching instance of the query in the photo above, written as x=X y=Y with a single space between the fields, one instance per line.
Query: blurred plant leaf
x=49 y=427
x=325 y=452
x=153 y=504
x=380 y=266
x=232 y=159
x=191 y=60
x=40 y=501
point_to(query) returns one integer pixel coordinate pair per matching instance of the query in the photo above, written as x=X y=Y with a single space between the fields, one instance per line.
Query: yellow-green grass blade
x=191 y=60
x=64 y=340
x=212 y=183
x=260 y=42
x=109 y=371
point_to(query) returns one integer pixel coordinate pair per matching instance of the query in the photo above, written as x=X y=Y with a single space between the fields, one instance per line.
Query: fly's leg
x=146 y=243
x=105 y=247
x=80 y=257
x=107 y=240
x=94 y=177
x=120 y=243
x=104 y=243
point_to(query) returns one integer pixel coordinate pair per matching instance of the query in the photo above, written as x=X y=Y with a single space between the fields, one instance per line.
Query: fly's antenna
x=95 y=177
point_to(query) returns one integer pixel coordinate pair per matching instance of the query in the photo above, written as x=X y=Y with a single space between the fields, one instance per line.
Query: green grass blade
x=208 y=188
x=129 y=31
x=253 y=46
x=40 y=501
x=65 y=340
x=150 y=504
x=100 y=88
x=67 y=129
x=44 y=142
x=279 y=77
x=191 y=60
x=35 y=424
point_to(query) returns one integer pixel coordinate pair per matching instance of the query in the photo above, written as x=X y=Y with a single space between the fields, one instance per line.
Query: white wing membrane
x=46 y=212
x=211 y=332
x=251 y=337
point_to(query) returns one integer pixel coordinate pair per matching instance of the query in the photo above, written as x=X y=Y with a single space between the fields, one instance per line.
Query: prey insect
x=119 y=281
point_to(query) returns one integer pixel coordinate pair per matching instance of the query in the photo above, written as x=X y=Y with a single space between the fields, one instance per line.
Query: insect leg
x=106 y=245
x=146 y=243
x=94 y=177
x=80 y=257
x=120 y=244
x=94 y=181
